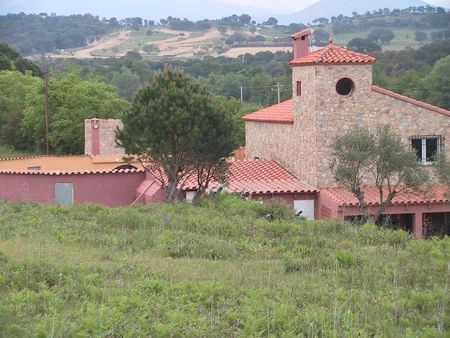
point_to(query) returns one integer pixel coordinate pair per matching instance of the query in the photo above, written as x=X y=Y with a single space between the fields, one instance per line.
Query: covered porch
x=424 y=215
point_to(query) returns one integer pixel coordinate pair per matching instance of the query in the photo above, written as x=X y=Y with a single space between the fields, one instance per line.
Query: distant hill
x=329 y=8
x=34 y=34
x=11 y=60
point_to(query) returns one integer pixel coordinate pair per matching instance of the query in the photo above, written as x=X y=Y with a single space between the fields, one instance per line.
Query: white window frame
x=424 y=139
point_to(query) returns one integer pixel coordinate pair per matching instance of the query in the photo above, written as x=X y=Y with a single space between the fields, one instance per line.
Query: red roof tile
x=435 y=194
x=410 y=100
x=333 y=54
x=259 y=177
x=278 y=113
x=62 y=173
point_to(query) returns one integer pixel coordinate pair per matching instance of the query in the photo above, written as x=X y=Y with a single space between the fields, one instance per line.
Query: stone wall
x=271 y=141
x=305 y=125
x=321 y=115
x=365 y=107
x=99 y=137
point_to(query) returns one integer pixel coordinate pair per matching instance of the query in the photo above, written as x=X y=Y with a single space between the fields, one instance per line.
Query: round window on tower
x=345 y=86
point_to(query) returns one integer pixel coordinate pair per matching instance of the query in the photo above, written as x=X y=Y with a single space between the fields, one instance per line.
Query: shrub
x=197 y=246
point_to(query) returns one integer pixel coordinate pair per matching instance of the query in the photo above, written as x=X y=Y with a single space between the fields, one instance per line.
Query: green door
x=64 y=193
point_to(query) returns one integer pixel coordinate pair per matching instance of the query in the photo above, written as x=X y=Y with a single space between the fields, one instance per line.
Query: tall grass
x=217 y=268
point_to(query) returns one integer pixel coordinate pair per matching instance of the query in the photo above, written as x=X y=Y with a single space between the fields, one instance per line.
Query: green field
x=216 y=269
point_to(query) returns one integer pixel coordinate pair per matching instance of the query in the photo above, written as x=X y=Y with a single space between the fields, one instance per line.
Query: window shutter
x=299 y=88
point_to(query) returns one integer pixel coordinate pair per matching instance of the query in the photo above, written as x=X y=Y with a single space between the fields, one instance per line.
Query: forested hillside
x=389 y=29
x=11 y=60
x=72 y=98
x=34 y=34
x=407 y=72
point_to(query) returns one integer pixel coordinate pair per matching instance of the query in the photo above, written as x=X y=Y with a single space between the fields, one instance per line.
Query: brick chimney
x=302 y=42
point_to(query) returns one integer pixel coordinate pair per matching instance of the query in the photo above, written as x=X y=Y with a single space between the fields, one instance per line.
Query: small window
x=426 y=147
x=345 y=86
x=64 y=193
x=299 y=88
x=37 y=167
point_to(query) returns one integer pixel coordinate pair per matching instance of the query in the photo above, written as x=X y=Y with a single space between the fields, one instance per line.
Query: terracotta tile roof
x=410 y=100
x=344 y=198
x=62 y=173
x=66 y=163
x=41 y=156
x=259 y=177
x=333 y=54
x=278 y=113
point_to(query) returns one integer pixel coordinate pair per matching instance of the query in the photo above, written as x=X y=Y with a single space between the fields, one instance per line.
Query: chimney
x=302 y=43
x=95 y=137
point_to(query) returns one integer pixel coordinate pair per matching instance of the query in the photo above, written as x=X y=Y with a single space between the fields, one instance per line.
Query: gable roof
x=278 y=113
x=332 y=54
x=284 y=112
x=258 y=177
x=344 y=198
x=411 y=100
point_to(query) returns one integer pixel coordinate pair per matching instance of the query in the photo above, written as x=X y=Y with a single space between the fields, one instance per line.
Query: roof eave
x=246 y=119
x=299 y=64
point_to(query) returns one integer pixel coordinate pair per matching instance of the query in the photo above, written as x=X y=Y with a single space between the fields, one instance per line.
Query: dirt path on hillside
x=180 y=44
x=107 y=42
x=185 y=44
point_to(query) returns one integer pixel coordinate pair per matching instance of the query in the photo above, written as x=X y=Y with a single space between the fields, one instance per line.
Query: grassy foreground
x=218 y=268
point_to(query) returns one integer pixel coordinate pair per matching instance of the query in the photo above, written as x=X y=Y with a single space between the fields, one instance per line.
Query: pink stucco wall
x=111 y=189
x=150 y=190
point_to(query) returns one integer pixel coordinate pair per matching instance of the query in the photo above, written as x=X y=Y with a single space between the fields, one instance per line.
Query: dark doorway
x=436 y=224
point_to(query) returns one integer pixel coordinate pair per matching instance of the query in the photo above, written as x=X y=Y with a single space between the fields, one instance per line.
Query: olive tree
x=443 y=172
x=380 y=158
x=179 y=131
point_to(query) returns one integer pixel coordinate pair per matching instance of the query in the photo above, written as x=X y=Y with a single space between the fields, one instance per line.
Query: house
x=333 y=92
x=112 y=181
x=288 y=150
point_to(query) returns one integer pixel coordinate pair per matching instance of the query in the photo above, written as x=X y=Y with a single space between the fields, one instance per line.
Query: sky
x=156 y=9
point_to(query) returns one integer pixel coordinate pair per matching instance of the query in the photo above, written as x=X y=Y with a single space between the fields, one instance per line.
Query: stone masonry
x=100 y=136
x=321 y=115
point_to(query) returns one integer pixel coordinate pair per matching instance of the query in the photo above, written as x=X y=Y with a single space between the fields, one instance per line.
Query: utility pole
x=242 y=94
x=278 y=92
x=278 y=86
x=47 y=148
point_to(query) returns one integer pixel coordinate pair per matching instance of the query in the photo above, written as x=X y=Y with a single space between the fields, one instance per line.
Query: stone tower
x=328 y=85
x=332 y=92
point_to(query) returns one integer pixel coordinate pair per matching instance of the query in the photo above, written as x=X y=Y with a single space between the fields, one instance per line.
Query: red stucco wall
x=107 y=189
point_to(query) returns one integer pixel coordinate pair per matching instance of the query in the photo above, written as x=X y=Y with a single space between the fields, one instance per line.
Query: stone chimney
x=302 y=42
x=100 y=137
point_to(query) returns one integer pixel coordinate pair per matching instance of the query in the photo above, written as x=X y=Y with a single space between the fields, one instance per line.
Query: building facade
x=333 y=92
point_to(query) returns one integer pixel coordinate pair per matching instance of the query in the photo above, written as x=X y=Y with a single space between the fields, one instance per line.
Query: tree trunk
x=368 y=218
x=384 y=205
